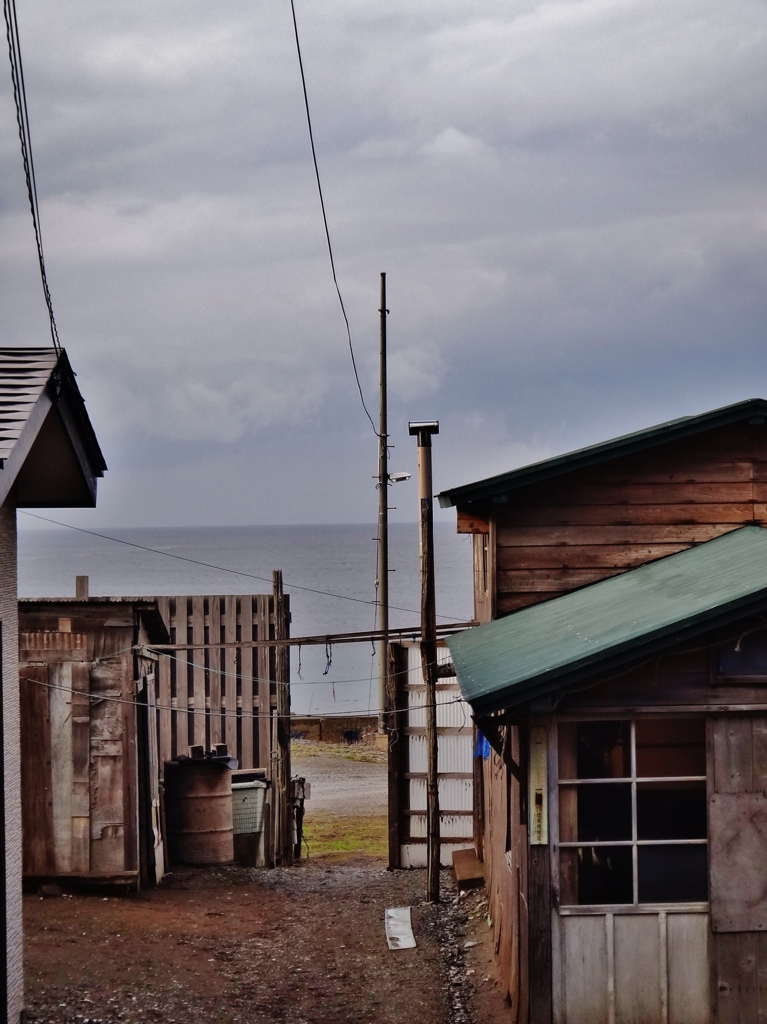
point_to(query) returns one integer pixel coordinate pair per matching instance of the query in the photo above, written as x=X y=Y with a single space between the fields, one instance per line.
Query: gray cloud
x=568 y=198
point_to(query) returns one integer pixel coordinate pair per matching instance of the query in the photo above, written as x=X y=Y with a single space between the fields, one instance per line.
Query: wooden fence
x=220 y=694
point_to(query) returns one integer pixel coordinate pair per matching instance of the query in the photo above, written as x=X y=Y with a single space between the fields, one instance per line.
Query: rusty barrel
x=198 y=812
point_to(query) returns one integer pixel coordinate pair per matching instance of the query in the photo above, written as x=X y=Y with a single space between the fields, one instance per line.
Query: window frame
x=555 y=788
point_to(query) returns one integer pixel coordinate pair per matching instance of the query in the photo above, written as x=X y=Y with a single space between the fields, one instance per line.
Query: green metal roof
x=628 y=444
x=605 y=625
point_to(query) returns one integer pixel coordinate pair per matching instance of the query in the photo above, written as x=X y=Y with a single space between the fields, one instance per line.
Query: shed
x=89 y=755
x=49 y=457
x=639 y=715
x=553 y=529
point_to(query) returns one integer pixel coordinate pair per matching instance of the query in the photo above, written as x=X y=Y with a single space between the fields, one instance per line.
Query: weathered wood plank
x=550 y=580
x=183 y=718
x=232 y=688
x=738 y=837
x=632 y=533
x=61 y=763
x=637 y=968
x=214 y=665
x=198 y=671
x=620 y=515
x=264 y=703
x=36 y=783
x=733 y=754
x=107 y=770
x=539 y=924
x=80 y=798
x=610 y=493
x=688 y=969
x=585 y=970
x=163 y=692
x=246 y=672
x=617 y=556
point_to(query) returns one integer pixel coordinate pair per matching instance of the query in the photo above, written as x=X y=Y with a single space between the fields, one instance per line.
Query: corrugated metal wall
x=455 y=750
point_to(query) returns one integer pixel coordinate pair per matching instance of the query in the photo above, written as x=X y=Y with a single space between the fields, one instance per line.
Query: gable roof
x=608 y=624
x=752 y=410
x=49 y=455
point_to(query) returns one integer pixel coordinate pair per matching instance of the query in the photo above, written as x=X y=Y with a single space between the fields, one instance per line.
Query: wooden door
x=630 y=916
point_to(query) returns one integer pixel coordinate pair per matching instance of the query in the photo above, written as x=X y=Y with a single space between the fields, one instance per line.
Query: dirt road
x=292 y=946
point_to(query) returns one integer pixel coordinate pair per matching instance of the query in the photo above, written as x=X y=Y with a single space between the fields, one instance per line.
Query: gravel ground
x=292 y=946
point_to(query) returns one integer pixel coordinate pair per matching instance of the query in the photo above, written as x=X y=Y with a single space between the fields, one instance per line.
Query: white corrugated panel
x=453 y=753
x=454 y=763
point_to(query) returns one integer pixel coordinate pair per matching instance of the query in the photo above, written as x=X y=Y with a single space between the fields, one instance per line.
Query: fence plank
x=214 y=665
x=182 y=680
x=246 y=670
x=163 y=691
x=198 y=671
x=230 y=636
x=264 y=708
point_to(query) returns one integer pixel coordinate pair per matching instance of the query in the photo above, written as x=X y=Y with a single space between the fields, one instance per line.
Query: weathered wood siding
x=737 y=756
x=505 y=852
x=79 y=754
x=224 y=694
x=585 y=526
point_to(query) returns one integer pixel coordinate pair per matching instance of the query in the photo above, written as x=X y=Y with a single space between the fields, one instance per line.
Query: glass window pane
x=671 y=810
x=602 y=750
x=670 y=747
x=595 y=875
x=673 y=874
x=596 y=813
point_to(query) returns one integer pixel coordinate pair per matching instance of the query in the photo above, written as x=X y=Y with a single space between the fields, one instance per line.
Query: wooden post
x=283 y=816
x=383 y=521
x=429 y=651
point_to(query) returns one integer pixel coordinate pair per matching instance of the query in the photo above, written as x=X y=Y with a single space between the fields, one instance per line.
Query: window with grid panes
x=632 y=812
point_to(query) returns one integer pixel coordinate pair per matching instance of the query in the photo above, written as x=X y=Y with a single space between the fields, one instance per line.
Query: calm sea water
x=339 y=560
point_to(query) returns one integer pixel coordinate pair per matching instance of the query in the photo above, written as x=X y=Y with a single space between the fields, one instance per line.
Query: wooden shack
x=89 y=765
x=623 y=693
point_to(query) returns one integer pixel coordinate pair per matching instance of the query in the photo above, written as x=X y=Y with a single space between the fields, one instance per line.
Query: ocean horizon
x=329 y=571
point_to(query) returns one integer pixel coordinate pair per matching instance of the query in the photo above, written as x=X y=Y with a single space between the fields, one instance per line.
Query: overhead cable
x=22 y=119
x=325 y=219
x=210 y=565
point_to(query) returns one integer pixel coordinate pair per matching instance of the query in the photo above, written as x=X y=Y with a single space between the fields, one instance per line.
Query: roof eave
x=569 y=676
x=628 y=444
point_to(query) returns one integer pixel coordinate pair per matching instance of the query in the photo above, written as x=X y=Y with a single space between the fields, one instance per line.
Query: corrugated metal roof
x=627 y=444
x=538 y=649
x=24 y=374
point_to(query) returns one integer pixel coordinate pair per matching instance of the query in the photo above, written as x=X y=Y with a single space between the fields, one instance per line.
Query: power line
x=210 y=565
x=22 y=119
x=218 y=714
x=324 y=217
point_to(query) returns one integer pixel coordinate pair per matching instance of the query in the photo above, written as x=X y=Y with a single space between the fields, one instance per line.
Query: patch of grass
x=348 y=751
x=335 y=833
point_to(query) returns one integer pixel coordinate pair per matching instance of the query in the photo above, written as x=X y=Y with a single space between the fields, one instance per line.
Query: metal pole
x=383 y=523
x=424 y=432
x=281 y=788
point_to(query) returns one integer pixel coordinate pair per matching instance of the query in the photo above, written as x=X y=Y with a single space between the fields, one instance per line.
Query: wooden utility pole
x=281 y=787
x=424 y=431
x=383 y=522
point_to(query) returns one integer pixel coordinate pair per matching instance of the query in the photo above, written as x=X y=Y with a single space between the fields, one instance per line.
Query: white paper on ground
x=399 y=930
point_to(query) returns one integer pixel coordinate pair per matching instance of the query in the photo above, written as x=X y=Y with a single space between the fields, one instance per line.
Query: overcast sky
x=568 y=198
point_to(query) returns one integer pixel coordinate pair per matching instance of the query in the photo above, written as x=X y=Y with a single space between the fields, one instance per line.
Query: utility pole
x=383 y=523
x=423 y=431
x=281 y=785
